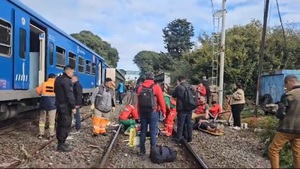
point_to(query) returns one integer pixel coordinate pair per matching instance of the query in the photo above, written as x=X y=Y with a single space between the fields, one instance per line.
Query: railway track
x=106 y=161
x=37 y=149
x=19 y=122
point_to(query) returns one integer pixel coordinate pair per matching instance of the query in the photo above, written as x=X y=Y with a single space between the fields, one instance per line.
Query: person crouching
x=128 y=117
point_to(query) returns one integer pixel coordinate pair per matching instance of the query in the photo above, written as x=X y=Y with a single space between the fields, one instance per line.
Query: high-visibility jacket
x=46 y=91
x=128 y=112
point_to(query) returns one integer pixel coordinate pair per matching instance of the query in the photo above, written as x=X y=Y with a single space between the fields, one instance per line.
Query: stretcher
x=212 y=133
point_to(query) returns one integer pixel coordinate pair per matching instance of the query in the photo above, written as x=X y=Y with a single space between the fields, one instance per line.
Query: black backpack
x=147 y=99
x=161 y=154
x=190 y=98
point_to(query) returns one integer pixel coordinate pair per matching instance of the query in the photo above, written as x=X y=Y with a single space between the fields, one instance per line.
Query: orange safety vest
x=46 y=89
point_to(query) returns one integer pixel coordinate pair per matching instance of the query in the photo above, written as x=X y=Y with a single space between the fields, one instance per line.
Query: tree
x=101 y=47
x=242 y=52
x=147 y=61
x=177 y=37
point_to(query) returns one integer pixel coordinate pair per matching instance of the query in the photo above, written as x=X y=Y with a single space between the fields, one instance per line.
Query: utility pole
x=262 y=49
x=222 y=54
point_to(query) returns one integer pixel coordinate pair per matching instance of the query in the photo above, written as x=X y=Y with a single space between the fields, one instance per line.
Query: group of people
x=151 y=99
x=61 y=98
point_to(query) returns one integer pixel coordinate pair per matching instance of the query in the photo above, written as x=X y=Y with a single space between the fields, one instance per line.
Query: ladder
x=216 y=47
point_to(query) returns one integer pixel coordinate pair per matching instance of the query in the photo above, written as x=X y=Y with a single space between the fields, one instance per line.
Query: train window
x=93 y=68
x=87 y=67
x=51 y=53
x=72 y=59
x=80 y=64
x=5 y=38
x=22 y=43
x=60 y=57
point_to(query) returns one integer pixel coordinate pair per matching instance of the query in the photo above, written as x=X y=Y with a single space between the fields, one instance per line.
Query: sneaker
x=69 y=138
x=236 y=128
x=63 y=148
x=75 y=132
x=95 y=135
x=40 y=136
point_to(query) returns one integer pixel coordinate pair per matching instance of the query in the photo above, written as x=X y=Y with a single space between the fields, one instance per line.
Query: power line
x=285 y=53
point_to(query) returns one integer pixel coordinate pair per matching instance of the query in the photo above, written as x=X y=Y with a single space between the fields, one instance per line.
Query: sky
x=135 y=25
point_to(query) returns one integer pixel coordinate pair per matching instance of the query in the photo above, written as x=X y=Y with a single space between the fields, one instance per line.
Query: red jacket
x=215 y=110
x=161 y=105
x=127 y=112
x=201 y=109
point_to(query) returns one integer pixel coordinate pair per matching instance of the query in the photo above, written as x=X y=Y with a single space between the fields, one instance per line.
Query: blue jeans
x=77 y=119
x=184 y=126
x=120 y=97
x=152 y=120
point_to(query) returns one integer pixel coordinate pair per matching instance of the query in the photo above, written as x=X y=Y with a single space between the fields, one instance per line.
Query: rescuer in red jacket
x=171 y=114
x=128 y=118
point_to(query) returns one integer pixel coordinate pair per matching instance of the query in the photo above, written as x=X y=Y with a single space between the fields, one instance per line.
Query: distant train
x=31 y=48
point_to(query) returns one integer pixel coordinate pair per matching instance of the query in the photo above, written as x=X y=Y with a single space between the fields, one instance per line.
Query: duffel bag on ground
x=161 y=154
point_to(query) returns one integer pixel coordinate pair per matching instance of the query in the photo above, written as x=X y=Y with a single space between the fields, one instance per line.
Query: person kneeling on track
x=202 y=123
x=215 y=110
x=171 y=114
x=202 y=109
x=129 y=117
x=103 y=104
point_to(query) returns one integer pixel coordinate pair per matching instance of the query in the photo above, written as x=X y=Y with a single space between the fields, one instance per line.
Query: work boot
x=142 y=154
x=64 y=148
x=95 y=135
x=104 y=134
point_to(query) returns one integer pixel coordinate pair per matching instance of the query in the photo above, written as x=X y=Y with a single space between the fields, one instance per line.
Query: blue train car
x=30 y=49
x=273 y=83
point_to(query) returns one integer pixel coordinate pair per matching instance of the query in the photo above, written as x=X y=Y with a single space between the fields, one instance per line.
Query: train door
x=21 y=50
x=99 y=74
x=37 y=55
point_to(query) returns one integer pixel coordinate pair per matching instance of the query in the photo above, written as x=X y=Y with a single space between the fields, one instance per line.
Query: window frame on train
x=22 y=43
x=6 y=48
x=51 y=53
x=87 y=66
x=93 y=68
x=63 y=54
x=72 y=58
x=80 y=66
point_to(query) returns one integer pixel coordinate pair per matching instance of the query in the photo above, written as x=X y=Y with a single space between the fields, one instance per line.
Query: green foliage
x=147 y=61
x=286 y=157
x=101 y=47
x=177 y=37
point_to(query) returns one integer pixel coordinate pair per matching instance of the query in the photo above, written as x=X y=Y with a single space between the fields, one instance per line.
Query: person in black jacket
x=77 y=90
x=65 y=106
x=184 y=117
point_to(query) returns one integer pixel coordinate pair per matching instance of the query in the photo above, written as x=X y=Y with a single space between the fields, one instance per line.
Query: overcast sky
x=135 y=25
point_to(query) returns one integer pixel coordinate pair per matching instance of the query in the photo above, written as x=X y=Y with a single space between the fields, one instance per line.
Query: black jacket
x=179 y=94
x=77 y=90
x=63 y=89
